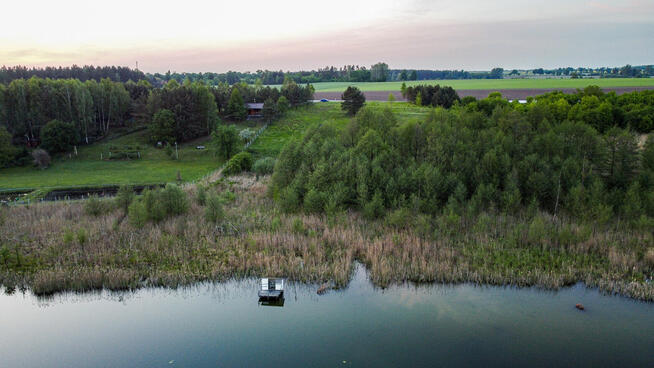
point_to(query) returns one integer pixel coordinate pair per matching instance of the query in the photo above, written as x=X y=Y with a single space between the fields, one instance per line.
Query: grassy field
x=483 y=84
x=87 y=169
x=296 y=122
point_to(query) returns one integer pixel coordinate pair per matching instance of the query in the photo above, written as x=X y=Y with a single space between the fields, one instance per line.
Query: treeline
x=463 y=161
x=56 y=114
x=602 y=111
x=83 y=73
x=437 y=96
x=627 y=71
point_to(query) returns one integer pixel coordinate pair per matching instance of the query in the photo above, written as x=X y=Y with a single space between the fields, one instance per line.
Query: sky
x=217 y=36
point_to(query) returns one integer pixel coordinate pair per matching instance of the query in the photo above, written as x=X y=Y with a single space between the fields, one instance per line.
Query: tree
x=403 y=89
x=7 y=150
x=496 y=73
x=58 y=136
x=41 y=158
x=391 y=98
x=379 y=72
x=162 y=128
x=403 y=75
x=269 y=109
x=236 y=107
x=353 y=100
x=282 y=105
x=413 y=75
x=225 y=140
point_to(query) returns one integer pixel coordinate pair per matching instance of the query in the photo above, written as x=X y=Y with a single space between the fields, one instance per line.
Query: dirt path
x=511 y=94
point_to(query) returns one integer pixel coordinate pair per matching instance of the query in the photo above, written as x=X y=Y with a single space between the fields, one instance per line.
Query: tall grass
x=43 y=249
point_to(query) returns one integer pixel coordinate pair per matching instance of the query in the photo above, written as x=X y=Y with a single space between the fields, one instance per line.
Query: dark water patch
x=224 y=325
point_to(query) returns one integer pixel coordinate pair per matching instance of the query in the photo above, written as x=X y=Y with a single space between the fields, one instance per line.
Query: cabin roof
x=254 y=105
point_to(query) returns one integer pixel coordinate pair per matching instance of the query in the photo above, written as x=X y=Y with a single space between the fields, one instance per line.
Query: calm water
x=223 y=325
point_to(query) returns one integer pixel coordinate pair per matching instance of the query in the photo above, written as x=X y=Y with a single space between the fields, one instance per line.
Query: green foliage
x=240 y=162
x=236 y=107
x=124 y=197
x=81 y=236
x=58 y=136
x=485 y=156
x=201 y=195
x=137 y=213
x=264 y=166
x=95 y=207
x=353 y=100
x=269 y=109
x=162 y=128
x=283 y=105
x=214 y=211
x=314 y=201
x=162 y=203
x=7 y=150
x=225 y=140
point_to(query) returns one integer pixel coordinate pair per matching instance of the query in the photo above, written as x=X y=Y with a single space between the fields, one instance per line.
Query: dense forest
x=591 y=105
x=349 y=73
x=83 y=73
x=486 y=155
x=84 y=112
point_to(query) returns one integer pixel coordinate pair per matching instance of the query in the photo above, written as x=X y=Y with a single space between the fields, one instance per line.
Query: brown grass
x=256 y=239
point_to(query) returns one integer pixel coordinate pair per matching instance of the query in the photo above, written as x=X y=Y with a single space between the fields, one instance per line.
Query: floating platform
x=271 y=288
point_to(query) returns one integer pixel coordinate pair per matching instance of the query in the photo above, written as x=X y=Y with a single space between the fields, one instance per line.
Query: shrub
x=314 y=201
x=154 y=207
x=289 y=199
x=214 y=211
x=58 y=136
x=137 y=214
x=41 y=158
x=264 y=166
x=537 y=231
x=94 y=206
x=246 y=134
x=400 y=218
x=7 y=151
x=124 y=197
x=81 y=236
x=375 y=207
x=201 y=195
x=242 y=161
x=174 y=199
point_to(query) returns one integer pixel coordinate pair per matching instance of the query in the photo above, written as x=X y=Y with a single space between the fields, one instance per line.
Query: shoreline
x=67 y=250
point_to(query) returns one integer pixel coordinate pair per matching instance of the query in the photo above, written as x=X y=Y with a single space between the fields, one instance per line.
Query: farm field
x=485 y=84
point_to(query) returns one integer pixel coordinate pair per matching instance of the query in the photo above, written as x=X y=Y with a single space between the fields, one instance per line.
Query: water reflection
x=224 y=324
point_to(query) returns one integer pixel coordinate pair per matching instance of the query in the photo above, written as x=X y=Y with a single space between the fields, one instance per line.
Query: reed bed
x=53 y=247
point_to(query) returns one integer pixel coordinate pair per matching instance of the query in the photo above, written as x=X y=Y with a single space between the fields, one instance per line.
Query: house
x=255 y=110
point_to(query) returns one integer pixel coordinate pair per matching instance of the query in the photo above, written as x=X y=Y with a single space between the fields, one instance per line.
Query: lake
x=223 y=325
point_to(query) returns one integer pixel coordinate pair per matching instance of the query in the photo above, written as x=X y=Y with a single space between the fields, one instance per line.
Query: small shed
x=271 y=288
x=255 y=110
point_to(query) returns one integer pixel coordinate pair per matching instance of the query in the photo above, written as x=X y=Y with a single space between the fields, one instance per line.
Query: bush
x=163 y=203
x=174 y=199
x=375 y=207
x=58 y=136
x=7 y=151
x=94 y=206
x=314 y=201
x=242 y=161
x=201 y=195
x=137 y=214
x=289 y=199
x=41 y=158
x=214 y=211
x=124 y=197
x=264 y=166
x=400 y=218
x=246 y=134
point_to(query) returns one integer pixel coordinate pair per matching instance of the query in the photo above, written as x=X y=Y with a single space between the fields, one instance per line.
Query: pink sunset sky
x=200 y=36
